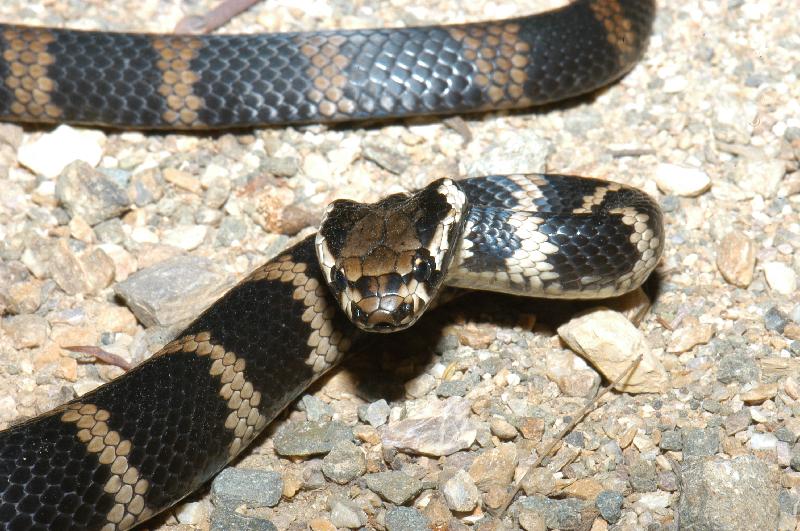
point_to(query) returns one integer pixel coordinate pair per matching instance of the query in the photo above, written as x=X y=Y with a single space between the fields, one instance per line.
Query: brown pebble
x=736 y=258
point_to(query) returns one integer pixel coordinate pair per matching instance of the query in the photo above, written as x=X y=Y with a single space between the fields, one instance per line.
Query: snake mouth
x=389 y=313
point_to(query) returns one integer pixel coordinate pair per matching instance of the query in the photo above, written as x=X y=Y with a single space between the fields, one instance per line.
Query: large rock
x=727 y=494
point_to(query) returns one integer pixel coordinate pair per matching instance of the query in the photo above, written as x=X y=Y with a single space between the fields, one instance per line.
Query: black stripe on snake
x=128 y=450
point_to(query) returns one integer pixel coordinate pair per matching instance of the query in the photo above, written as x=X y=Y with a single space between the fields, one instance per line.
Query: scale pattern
x=195 y=82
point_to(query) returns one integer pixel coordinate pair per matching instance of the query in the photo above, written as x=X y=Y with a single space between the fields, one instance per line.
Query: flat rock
x=254 y=488
x=344 y=462
x=49 y=154
x=346 y=514
x=228 y=520
x=558 y=514
x=611 y=343
x=436 y=427
x=310 y=438
x=727 y=494
x=394 y=486
x=173 y=291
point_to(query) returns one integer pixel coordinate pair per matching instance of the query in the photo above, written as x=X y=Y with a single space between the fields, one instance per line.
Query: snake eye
x=338 y=279
x=422 y=268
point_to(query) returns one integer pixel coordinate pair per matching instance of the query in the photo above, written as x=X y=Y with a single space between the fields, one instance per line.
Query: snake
x=133 y=447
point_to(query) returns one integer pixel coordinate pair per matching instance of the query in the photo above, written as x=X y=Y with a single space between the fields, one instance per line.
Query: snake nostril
x=357 y=313
x=403 y=311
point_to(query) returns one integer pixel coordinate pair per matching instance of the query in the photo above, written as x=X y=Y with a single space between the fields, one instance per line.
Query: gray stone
x=609 y=503
x=394 y=486
x=231 y=230
x=344 y=463
x=228 y=520
x=316 y=409
x=727 y=494
x=90 y=194
x=254 y=488
x=450 y=388
x=385 y=155
x=737 y=367
x=375 y=413
x=406 y=519
x=785 y=434
x=738 y=421
x=671 y=441
x=110 y=231
x=775 y=320
x=643 y=476
x=146 y=187
x=789 y=503
x=310 y=438
x=280 y=166
x=700 y=443
x=173 y=291
x=345 y=513
x=524 y=152
x=794 y=461
x=667 y=481
x=558 y=514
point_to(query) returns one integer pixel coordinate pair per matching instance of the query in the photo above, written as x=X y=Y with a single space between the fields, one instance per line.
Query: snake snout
x=387 y=313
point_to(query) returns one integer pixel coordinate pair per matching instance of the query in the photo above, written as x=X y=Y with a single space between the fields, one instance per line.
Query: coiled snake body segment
x=135 y=446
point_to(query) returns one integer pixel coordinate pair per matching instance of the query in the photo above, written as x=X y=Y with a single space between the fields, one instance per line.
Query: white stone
x=763 y=441
x=781 y=277
x=50 y=153
x=681 y=180
x=186 y=237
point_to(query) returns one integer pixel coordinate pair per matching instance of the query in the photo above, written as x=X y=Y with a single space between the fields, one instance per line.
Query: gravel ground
x=708 y=122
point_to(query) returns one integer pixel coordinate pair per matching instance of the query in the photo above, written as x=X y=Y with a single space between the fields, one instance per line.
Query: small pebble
x=394 y=486
x=681 y=181
x=344 y=462
x=460 y=492
x=406 y=519
x=609 y=503
x=255 y=488
x=346 y=514
x=781 y=278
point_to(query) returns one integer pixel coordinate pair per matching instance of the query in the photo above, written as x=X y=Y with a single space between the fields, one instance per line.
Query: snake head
x=386 y=261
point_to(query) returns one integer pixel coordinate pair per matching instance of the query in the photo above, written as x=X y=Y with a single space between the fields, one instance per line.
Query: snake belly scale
x=122 y=453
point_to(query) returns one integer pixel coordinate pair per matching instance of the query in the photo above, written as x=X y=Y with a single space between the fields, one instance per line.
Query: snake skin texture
x=194 y=82
x=120 y=454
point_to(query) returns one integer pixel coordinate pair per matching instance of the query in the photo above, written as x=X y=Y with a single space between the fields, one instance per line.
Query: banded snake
x=129 y=449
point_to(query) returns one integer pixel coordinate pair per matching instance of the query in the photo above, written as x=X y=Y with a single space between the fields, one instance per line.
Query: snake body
x=131 y=448
x=189 y=82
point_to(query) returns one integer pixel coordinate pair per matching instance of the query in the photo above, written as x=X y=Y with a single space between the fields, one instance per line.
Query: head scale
x=386 y=261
